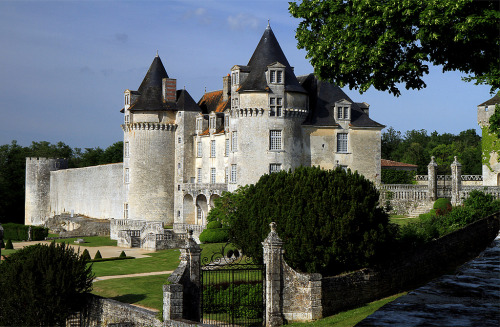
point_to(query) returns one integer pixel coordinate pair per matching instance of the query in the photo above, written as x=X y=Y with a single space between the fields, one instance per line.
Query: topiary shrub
x=214 y=225
x=442 y=206
x=86 y=255
x=98 y=255
x=122 y=255
x=41 y=285
x=9 y=245
x=218 y=235
x=330 y=220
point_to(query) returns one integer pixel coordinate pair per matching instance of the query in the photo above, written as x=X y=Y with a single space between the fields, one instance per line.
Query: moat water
x=468 y=297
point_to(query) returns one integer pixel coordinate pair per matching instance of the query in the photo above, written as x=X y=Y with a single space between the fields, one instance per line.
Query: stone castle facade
x=179 y=155
x=490 y=142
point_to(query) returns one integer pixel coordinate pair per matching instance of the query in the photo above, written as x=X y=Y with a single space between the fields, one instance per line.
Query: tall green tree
x=330 y=221
x=41 y=285
x=379 y=43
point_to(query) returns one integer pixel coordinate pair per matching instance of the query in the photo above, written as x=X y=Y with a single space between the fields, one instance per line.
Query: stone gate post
x=432 y=179
x=273 y=258
x=182 y=297
x=456 y=182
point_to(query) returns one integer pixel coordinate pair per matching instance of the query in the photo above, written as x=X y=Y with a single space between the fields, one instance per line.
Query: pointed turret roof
x=268 y=52
x=150 y=91
x=185 y=102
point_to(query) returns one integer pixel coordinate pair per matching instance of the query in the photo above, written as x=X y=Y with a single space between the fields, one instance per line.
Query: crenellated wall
x=95 y=192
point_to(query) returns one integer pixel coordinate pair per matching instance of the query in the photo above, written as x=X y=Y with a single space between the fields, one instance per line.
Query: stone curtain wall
x=95 y=192
x=349 y=290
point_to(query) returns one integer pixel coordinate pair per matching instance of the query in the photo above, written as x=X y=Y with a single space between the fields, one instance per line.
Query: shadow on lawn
x=130 y=298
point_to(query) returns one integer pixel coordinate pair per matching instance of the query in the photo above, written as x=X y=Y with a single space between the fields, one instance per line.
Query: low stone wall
x=301 y=295
x=103 y=312
x=346 y=291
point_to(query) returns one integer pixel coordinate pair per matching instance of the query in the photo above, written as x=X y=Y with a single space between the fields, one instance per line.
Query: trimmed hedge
x=9 y=245
x=98 y=255
x=214 y=225
x=19 y=232
x=442 y=206
x=86 y=255
x=391 y=176
x=219 y=235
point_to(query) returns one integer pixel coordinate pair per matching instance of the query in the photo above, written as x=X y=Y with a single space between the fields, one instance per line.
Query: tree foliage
x=13 y=169
x=417 y=146
x=41 y=285
x=364 y=43
x=329 y=220
x=495 y=122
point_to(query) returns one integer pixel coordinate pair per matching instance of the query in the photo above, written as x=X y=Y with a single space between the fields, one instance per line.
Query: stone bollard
x=273 y=258
x=432 y=179
x=456 y=182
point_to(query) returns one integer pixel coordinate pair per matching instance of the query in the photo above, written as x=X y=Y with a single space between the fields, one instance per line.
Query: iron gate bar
x=232 y=289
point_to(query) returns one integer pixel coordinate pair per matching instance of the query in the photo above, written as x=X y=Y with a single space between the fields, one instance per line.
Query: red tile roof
x=390 y=163
x=213 y=101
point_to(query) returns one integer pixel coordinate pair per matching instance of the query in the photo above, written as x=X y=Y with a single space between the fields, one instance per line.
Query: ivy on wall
x=490 y=139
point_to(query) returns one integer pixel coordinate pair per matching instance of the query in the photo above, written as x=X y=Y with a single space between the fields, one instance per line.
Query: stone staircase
x=423 y=207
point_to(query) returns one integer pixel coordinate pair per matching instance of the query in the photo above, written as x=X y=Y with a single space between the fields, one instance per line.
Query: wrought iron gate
x=232 y=289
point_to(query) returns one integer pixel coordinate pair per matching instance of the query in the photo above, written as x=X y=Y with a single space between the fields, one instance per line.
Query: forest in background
x=13 y=169
x=417 y=146
x=414 y=147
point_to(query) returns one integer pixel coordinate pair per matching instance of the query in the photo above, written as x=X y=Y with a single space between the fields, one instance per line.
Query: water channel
x=468 y=297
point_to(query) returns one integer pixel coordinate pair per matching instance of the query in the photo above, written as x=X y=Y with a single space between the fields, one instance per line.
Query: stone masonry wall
x=95 y=192
x=104 y=311
x=365 y=285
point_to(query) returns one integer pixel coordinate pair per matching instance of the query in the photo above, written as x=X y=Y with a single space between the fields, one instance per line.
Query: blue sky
x=65 y=64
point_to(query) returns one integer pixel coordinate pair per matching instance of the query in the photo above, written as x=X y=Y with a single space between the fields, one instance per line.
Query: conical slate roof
x=185 y=102
x=150 y=91
x=268 y=52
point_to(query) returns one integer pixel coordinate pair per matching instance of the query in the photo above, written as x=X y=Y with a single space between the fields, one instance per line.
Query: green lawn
x=145 y=291
x=163 y=260
x=351 y=317
x=400 y=220
x=90 y=241
x=7 y=252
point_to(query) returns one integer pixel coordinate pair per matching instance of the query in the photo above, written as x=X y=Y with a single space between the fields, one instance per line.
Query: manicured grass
x=7 y=252
x=53 y=235
x=351 y=317
x=158 y=261
x=207 y=251
x=90 y=241
x=145 y=291
x=401 y=221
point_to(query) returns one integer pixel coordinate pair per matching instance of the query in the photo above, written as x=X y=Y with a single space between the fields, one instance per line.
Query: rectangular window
x=212 y=148
x=274 y=168
x=199 y=175
x=346 y=112
x=233 y=173
x=212 y=122
x=199 y=124
x=234 y=142
x=226 y=153
x=279 y=76
x=212 y=175
x=125 y=211
x=179 y=140
x=339 y=113
x=127 y=119
x=126 y=150
x=226 y=177
x=272 y=76
x=200 y=150
x=127 y=176
x=342 y=142
x=279 y=106
x=272 y=106
x=274 y=140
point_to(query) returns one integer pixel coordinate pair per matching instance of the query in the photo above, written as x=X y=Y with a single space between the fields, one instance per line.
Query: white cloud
x=200 y=14
x=242 y=21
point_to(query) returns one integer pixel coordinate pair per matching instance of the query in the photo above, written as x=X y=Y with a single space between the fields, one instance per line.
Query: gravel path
x=134 y=275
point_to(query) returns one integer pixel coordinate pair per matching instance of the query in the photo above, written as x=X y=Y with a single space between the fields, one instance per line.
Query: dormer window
x=199 y=124
x=342 y=112
x=127 y=99
x=212 y=122
x=235 y=78
x=276 y=76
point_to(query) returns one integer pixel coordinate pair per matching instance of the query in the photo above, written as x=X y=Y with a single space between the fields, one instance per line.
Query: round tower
x=149 y=147
x=37 y=201
x=267 y=109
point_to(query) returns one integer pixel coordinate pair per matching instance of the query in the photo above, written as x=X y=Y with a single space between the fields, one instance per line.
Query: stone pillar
x=192 y=293
x=432 y=179
x=456 y=181
x=273 y=257
x=182 y=296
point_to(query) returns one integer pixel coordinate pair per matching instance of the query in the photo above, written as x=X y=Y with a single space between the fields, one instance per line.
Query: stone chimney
x=169 y=87
x=226 y=89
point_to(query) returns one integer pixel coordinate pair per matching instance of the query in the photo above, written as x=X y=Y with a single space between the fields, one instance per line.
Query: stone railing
x=402 y=192
x=493 y=190
x=198 y=187
x=183 y=228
